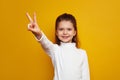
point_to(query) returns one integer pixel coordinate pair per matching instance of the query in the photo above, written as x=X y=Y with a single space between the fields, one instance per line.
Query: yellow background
x=22 y=58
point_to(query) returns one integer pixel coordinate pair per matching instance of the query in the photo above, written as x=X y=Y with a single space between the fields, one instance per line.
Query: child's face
x=65 y=31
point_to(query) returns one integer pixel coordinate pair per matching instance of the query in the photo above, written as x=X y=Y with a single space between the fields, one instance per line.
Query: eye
x=60 y=29
x=69 y=29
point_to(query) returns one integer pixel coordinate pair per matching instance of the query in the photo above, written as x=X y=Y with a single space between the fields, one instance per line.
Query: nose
x=65 y=32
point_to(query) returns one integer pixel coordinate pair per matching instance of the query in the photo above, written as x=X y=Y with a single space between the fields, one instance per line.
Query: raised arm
x=47 y=45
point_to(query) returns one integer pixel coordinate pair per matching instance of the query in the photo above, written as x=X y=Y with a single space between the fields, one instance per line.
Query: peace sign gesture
x=33 y=26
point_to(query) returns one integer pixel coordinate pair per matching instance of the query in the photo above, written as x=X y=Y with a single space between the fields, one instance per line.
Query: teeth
x=65 y=36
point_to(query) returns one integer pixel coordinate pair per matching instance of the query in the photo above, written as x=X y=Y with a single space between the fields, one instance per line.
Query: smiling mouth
x=65 y=37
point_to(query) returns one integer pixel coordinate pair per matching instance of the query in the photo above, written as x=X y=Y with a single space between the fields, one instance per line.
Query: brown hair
x=66 y=17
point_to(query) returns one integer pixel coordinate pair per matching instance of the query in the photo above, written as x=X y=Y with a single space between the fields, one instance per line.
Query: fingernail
x=29 y=25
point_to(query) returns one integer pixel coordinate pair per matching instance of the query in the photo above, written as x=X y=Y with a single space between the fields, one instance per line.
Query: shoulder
x=82 y=51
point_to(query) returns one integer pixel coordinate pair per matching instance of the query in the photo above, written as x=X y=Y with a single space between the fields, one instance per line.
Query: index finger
x=29 y=18
x=34 y=17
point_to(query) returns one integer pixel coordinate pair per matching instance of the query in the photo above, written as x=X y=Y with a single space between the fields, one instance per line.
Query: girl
x=70 y=63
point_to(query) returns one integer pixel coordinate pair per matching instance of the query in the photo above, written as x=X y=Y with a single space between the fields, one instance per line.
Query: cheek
x=58 y=33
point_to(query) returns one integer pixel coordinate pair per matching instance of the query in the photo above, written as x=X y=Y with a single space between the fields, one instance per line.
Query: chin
x=66 y=41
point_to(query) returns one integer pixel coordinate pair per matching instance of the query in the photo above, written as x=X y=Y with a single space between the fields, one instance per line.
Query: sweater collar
x=68 y=44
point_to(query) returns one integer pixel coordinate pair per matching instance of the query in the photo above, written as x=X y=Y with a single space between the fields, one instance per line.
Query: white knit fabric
x=70 y=63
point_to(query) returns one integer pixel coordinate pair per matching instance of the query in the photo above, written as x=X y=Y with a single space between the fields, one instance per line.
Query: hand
x=33 y=26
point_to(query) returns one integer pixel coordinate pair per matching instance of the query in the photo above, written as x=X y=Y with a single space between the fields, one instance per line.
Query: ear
x=74 y=32
x=56 y=33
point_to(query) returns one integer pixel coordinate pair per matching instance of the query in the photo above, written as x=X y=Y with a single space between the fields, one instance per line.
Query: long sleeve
x=85 y=68
x=46 y=44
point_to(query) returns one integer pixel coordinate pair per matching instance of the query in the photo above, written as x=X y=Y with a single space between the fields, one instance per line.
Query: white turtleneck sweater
x=70 y=63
